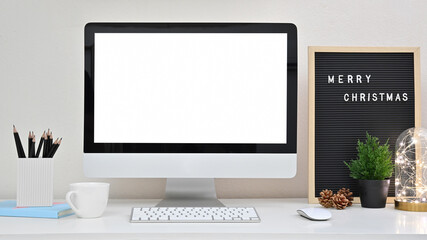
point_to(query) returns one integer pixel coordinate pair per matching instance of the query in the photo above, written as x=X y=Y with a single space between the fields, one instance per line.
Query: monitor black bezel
x=91 y=28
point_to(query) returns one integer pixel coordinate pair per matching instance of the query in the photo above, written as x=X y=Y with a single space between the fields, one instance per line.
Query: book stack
x=58 y=210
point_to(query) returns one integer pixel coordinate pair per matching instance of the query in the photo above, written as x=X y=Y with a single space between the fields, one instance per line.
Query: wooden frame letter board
x=354 y=90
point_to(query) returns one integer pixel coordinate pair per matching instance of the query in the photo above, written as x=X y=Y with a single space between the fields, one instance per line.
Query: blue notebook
x=58 y=210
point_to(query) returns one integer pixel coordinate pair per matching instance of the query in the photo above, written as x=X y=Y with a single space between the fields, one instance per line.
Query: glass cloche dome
x=411 y=170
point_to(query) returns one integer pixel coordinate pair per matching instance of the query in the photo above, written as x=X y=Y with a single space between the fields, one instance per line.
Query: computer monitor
x=188 y=101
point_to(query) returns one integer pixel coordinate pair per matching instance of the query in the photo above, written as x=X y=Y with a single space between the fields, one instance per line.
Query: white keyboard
x=194 y=215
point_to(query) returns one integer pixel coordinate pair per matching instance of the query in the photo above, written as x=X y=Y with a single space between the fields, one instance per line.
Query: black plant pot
x=373 y=193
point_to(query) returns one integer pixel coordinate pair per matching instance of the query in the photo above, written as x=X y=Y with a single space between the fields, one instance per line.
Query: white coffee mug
x=88 y=199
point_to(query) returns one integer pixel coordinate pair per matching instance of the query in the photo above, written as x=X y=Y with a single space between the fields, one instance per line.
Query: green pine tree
x=374 y=160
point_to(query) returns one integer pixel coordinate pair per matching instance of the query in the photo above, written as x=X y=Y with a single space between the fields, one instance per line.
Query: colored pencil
x=47 y=142
x=45 y=146
x=39 y=148
x=19 y=148
x=55 y=147
x=50 y=140
x=30 y=144
x=33 y=146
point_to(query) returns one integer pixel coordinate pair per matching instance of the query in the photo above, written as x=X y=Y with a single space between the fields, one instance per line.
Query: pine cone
x=340 y=201
x=325 y=198
x=347 y=194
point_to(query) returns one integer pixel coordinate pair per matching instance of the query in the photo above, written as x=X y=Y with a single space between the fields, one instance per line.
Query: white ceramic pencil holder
x=35 y=182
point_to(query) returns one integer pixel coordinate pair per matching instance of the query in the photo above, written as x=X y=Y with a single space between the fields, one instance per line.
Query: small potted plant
x=373 y=169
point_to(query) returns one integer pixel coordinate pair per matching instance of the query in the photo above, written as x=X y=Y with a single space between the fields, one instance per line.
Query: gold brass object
x=410 y=206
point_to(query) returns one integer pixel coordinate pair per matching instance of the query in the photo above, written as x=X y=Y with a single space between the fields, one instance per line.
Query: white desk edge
x=278 y=219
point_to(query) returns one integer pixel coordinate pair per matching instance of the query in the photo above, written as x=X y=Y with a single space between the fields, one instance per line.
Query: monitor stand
x=190 y=192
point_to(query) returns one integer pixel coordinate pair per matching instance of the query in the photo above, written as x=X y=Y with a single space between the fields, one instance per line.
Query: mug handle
x=68 y=199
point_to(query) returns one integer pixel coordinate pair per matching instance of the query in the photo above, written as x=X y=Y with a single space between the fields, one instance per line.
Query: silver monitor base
x=190 y=192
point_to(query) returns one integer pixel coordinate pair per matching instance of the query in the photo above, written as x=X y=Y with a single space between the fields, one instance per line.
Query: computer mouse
x=315 y=214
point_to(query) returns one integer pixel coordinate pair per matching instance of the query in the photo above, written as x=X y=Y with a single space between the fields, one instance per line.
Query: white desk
x=279 y=220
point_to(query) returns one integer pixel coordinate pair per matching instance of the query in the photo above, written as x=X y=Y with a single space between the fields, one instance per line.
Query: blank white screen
x=190 y=88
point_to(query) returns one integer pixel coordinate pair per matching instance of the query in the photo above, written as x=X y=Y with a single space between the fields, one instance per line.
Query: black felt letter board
x=357 y=92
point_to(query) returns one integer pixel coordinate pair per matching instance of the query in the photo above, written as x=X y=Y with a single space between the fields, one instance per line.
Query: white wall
x=41 y=69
